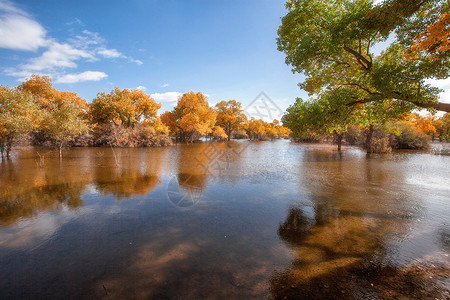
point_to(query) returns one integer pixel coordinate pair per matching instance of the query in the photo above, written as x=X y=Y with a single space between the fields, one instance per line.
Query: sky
x=225 y=49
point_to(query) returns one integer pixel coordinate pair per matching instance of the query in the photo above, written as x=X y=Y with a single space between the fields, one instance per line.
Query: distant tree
x=169 y=119
x=125 y=107
x=442 y=126
x=256 y=129
x=230 y=116
x=62 y=124
x=194 y=116
x=19 y=114
x=219 y=133
x=41 y=87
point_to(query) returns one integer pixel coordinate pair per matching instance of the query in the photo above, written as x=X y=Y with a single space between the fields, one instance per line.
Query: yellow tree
x=126 y=107
x=169 y=119
x=424 y=124
x=256 y=129
x=230 y=116
x=41 y=87
x=19 y=114
x=194 y=115
x=219 y=133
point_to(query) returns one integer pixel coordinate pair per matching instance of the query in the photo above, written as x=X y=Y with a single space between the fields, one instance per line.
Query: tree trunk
x=339 y=141
x=9 y=142
x=369 y=139
x=60 y=150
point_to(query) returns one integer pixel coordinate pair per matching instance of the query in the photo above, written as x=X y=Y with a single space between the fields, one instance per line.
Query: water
x=225 y=220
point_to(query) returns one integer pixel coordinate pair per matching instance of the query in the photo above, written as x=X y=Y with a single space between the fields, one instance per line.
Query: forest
x=37 y=113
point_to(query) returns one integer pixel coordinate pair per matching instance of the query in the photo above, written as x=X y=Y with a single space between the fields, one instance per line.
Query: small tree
x=63 y=123
x=230 y=116
x=19 y=114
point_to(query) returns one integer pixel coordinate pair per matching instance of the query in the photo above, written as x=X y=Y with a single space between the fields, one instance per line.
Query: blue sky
x=226 y=49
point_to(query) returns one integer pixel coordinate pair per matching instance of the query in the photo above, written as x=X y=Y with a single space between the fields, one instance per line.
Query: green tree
x=62 y=124
x=331 y=42
x=19 y=114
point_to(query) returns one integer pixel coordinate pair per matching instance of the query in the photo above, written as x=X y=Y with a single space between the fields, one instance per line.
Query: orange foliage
x=435 y=40
x=194 y=113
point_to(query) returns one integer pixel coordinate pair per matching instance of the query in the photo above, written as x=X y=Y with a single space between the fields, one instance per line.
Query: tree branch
x=364 y=62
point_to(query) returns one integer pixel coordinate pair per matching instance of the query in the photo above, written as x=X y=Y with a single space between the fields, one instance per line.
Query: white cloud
x=142 y=88
x=57 y=56
x=110 y=53
x=166 y=97
x=18 y=31
x=136 y=61
x=442 y=84
x=165 y=85
x=85 y=76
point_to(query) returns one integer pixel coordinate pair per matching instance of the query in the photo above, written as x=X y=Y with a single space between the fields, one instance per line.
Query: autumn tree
x=169 y=119
x=256 y=130
x=442 y=126
x=331 y=43
x=230 y=116
x=19 y=114
x=126 y=107
x=41 y=87
x=219 y=133
x=194 y=115
x=63 y=123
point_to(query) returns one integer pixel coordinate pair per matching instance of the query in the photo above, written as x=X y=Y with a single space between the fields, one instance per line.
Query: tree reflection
x=126 y=173
x=26 y=189
x=342 y=246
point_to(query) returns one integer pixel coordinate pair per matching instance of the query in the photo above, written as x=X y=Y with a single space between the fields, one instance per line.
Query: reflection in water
x=276 y=220
x=345 y=248
x=125 y=174
x=27 y=189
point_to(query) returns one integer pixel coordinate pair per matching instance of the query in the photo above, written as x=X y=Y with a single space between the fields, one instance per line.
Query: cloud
x=166 y=97
x=442 y=84
x=136 y=61
x=110 y=53
x=57 y=56
x=113 y=53
x=142 y=88
x=18 y=31
x=85 y=76
x=165 y=85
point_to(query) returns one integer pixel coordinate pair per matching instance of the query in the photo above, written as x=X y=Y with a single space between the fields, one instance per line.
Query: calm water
x=238 y=220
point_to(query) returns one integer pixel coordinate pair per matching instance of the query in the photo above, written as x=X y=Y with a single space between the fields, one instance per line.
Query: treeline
x=193 y=118
x=377 y=127
x=121 y=118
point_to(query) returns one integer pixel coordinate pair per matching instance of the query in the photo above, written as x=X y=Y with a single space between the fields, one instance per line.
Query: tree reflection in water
x=343 y=248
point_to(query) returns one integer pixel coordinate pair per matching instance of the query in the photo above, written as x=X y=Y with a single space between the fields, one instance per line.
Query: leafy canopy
x=331 y=43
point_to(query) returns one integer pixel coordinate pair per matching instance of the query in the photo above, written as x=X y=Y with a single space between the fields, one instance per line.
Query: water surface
x=225 y=220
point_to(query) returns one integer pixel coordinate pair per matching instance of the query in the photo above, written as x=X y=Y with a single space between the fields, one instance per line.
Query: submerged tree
x=230 y=116
x=62 y=124
x=19 y=114
x=126 y=107
x=194 y=116
x=332 y=42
